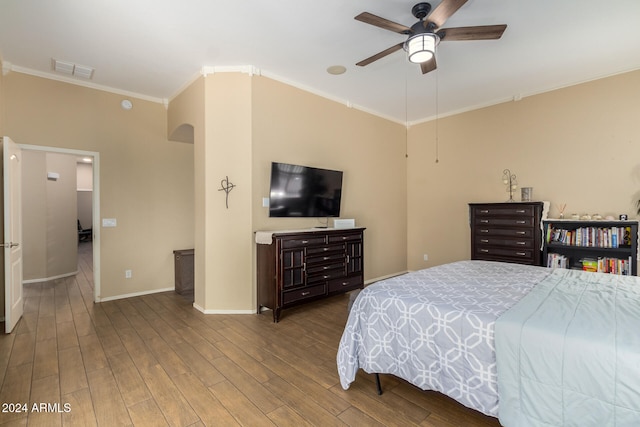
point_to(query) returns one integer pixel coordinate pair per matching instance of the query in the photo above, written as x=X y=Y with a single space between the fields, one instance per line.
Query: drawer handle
x=520 y=211
x=484 y=250
x=484 y=240
x=484 y=211
x=521 y=243
x=484 y=221
x=521 y=222
x=304 y=294
x=304 y=242
x=345 y=283
x=521 y=253
x=484 y=231
x=325 y=277
x=521 y=232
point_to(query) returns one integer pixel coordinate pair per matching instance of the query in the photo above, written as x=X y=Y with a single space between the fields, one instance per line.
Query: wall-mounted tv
x=303 y=191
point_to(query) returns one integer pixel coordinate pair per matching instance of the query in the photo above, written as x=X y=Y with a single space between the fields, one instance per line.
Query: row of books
x=597 y=237
x=600 y=264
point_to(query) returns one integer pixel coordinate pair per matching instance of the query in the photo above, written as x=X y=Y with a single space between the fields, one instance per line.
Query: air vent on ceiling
x=71 y=69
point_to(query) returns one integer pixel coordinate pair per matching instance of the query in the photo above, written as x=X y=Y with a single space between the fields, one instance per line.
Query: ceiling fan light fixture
x=421 y=47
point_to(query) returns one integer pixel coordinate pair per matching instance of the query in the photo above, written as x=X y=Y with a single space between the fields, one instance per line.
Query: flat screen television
x=303 y=191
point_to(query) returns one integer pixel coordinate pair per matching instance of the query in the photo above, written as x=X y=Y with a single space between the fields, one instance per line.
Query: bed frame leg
x=378 y=386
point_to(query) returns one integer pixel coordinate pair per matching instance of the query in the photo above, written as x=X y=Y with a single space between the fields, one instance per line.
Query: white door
x=13 y=304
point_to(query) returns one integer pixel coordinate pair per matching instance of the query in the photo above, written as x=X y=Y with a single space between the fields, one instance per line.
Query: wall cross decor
x=226 y=186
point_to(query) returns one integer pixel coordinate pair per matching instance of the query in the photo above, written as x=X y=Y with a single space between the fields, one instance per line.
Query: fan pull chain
x=437 y=130
x=406 y=115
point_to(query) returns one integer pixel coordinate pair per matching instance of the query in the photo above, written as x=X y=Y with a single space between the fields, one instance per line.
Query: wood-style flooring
x=154 y=360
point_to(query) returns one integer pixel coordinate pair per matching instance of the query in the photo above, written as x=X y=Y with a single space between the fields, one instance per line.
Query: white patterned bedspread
x=435 y=328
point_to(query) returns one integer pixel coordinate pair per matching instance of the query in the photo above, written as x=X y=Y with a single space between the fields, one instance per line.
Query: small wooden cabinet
x=301 y=266
x=508 y=232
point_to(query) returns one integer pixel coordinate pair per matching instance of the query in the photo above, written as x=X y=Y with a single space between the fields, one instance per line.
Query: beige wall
x=294 y=126
x=187 y=109
x=227 y=153
x=146 y=181
x=251 y=121
x=84 y=172
x=2 y=104
x=50 y=242
x=578 y=146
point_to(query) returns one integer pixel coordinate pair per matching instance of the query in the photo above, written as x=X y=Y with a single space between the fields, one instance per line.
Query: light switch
x=265 y=202
x=109 y=222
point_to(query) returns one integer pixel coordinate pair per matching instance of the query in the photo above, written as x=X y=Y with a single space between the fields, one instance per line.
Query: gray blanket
x=569 y=353
x=435 y=328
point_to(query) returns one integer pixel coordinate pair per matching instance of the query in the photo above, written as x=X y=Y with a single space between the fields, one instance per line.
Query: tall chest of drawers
x=302 y=266
x=508 y=232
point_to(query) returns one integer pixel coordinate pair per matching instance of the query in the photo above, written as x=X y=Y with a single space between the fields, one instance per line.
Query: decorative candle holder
x=509 y=179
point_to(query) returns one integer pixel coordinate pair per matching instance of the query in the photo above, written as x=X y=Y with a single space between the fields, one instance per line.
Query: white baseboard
x=388 y=276
x=134 y=294
x=46 y=279
x=202 y=310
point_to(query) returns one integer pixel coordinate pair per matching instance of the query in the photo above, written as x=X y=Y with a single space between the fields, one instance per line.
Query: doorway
x=89 y=251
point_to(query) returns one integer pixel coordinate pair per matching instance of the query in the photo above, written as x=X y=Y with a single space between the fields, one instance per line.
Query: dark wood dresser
x=508 y=232
x=302 y=266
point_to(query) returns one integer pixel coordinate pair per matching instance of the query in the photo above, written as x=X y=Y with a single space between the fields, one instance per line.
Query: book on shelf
x=556 y=261
x=599 y=265
x=594 y=237
x=615 y=266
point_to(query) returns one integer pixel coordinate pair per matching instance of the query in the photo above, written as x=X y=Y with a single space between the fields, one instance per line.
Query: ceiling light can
x=336 y=69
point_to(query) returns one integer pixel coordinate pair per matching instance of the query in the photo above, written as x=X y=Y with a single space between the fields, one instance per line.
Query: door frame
x=12 y=247
x=95 y=203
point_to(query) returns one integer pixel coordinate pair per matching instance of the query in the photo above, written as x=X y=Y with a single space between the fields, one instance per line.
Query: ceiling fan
x=427 y=33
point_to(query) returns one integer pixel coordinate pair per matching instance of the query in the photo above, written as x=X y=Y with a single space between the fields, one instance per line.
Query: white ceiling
x=153 y=48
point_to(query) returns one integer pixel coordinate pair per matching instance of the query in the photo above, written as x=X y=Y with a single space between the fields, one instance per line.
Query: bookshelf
x=605 y=246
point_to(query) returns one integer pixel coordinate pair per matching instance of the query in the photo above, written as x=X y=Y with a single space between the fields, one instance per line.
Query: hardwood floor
x=154 y=360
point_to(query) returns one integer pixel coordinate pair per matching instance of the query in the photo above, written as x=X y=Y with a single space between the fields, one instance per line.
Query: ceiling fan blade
x=379 y=55
x=428 y=66
x=444 y=10
x=482 y=32
x=369 y=18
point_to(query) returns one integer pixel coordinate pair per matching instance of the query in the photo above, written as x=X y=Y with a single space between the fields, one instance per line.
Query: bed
x=485 y=332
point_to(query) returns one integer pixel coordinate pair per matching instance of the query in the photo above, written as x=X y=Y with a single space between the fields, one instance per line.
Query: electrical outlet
x=426 y=257
x=127 y=274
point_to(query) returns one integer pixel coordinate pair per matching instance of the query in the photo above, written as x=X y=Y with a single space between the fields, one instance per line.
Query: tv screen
x=302 y=191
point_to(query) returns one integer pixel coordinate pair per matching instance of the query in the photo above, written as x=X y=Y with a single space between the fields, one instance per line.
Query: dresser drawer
x=319 y=250
x=504 y=211
x=325 y=250
x=482 y=232
x=304 y=293
x=344 y=238
x=328 y=257
x=509 y=232
x=325 y=272
x=296 y=242
x=345 y=284
x=489 y=252
x=505 y=222
x=509 y=243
